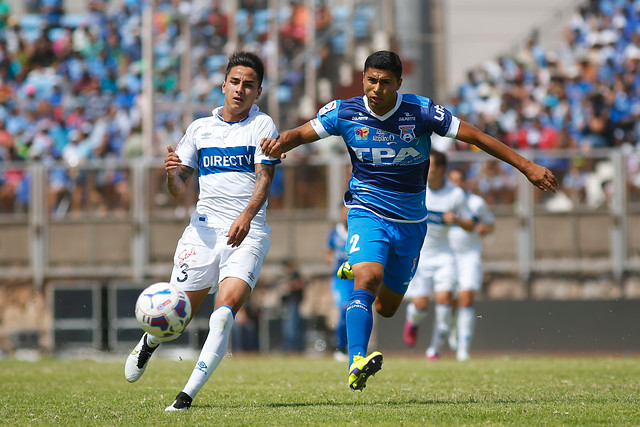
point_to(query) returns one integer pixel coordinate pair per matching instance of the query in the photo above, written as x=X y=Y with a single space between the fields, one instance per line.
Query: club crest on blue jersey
x=362 y=134
x=406 y=132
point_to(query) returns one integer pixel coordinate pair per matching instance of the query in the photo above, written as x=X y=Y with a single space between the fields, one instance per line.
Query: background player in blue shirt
x=387 y=134
x=340 y=288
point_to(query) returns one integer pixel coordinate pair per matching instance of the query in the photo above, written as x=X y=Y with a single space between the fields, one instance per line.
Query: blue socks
x=341 y=331
x=359 y=322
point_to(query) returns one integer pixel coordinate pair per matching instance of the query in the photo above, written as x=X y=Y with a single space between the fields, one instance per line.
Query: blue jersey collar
x=389 y=114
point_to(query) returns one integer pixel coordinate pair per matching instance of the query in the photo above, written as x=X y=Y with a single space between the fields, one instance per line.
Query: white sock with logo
x=441 y=325
x=414 y=315
x=213 y=350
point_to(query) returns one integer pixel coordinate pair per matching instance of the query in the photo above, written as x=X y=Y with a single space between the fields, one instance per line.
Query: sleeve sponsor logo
x=330 y=106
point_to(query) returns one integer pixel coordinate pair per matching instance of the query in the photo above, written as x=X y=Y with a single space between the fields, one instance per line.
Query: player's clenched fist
x=272 y=147
x=172 y=161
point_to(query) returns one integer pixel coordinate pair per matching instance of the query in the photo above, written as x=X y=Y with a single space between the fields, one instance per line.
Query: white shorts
x=469 y=270
x=434 y=274
x=203 y=259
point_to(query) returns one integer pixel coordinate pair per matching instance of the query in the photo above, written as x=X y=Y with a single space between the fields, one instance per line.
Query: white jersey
x=447 y=198
x=462 y=240
x=225 y=155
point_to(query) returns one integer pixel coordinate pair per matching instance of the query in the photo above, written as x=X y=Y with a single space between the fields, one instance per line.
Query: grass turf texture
x=272 y=390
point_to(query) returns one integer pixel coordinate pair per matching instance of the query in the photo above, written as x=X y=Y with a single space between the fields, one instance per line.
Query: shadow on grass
x=389 y=403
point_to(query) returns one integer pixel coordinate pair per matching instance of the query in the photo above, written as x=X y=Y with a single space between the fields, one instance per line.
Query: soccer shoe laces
x=145 y=353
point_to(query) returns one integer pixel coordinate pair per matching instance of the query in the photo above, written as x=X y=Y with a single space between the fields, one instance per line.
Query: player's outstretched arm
x=241 y=225
x=538 y=175
x=288 y=140
x=178 y=176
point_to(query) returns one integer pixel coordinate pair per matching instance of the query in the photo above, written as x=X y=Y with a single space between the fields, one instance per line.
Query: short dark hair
x=385 y=60
x=439 y=158
x=246 y=59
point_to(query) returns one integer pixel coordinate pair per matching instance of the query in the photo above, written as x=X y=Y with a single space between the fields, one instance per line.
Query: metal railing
x=117 y=221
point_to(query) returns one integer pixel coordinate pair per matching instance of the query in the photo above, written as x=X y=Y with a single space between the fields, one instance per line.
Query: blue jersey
x=390 y=153
x=336 y=242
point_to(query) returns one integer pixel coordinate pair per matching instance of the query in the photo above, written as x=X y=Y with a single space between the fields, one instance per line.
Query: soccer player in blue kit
x=387 y=134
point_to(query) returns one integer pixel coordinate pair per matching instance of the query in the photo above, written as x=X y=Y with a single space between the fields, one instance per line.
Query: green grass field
x=278 y=390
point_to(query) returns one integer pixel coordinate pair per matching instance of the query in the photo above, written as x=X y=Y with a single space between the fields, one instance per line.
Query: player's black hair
x=246 y=59
x=385 y=60
x=438 y=158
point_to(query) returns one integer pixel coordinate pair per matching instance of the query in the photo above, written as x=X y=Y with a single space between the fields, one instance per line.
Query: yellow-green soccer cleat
x=344 y=271
x=362 y=368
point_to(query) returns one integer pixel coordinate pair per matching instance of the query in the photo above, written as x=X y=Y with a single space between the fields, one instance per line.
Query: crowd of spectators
x=70 y=88
x=584 y=95
x=71 y=84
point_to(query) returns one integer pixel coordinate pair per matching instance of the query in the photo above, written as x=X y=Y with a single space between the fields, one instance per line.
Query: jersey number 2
x=354 y=243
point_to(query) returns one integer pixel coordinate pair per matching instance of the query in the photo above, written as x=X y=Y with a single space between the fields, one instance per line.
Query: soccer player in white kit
x=467 y=249
x=223 y=247
x=436 y=267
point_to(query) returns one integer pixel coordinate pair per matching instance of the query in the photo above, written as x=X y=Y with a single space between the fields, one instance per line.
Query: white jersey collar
x=388 y=114
x=217 y=111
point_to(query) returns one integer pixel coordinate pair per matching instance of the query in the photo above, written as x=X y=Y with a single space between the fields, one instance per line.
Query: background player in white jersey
x=436 y=268
x=467 y=249
x=223 y=247
x=387 y=134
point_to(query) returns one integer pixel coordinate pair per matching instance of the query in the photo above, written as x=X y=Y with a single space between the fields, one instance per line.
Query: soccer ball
x=162 y=310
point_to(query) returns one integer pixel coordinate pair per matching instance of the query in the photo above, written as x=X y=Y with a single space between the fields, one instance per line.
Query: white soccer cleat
x=137 y=361
x=432 y=355
x=462 y=356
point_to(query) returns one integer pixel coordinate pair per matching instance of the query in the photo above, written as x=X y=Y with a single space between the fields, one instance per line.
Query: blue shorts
x=396 y=245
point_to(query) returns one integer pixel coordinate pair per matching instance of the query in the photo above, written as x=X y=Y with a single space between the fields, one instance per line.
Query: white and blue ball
x=163 y=310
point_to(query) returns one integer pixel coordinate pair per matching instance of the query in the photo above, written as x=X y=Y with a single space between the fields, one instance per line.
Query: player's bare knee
x=421 y=303
x=465 y=299
x=444 y=298
x=368 y=280
x=385 y=310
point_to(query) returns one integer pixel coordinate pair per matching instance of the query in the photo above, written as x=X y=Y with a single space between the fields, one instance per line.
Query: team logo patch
x=362 y=134
x=201 y=366
x=406 y=132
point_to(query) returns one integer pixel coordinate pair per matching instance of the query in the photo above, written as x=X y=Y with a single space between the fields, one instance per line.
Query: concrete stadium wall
x=534 y=326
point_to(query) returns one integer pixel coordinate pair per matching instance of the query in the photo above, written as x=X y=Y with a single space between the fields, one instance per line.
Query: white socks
x=466 y=326
x=213 y=350
x=415 y=316
x=441 y=325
